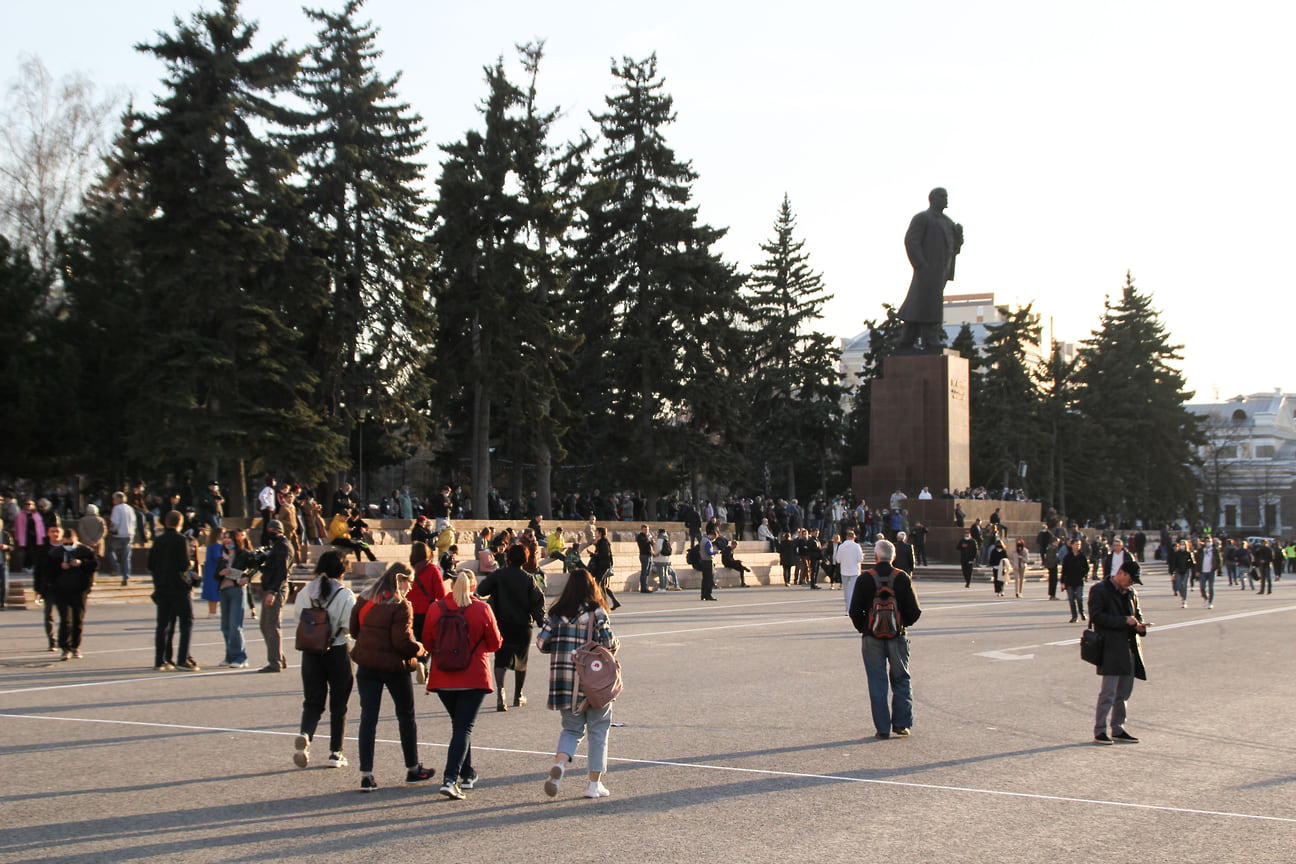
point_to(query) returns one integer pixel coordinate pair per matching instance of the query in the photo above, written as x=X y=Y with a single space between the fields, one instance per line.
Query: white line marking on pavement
x=122 y=681
x=1001 y=654
x=702 y=766
x=837 y=618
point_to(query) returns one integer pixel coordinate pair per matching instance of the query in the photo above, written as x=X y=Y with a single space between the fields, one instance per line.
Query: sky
x=1079 y=141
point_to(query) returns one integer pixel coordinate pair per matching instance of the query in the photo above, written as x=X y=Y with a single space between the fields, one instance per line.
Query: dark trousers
x=1053 y=581
x=326 y=676
x=462 y=706
x=170 y=611
x=71 y=609
x=47 y=613
x=370 y=683
x=708 y=579
x=920 y=554
x=967 y=573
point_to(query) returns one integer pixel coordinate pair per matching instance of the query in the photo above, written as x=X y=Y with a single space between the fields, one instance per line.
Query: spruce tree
x=655 y=305
x=794 y=387
x=223 y=375
x=1140 y=440
x=358 y=151
x=884 y=336
x=1005 y=401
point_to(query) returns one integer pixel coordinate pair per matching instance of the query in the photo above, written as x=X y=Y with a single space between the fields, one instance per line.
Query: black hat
x=1130 y=566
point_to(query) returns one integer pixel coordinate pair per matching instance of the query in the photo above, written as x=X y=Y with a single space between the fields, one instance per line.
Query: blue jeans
x=595 y=721
x=1075 y=597
x=1208 y=578
x=370 y=683
x=887 y=661
x=119 y=555
x=1181 y=585
x=462 y=706
x=231 y=624
x=645 y=568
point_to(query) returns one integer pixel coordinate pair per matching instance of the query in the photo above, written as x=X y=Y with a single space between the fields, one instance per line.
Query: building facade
x=1248 y=464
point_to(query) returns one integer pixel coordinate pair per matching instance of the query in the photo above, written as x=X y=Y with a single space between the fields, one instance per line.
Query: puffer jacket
x=384 y=637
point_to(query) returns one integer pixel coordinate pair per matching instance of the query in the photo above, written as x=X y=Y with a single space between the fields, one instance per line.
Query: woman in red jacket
x=460 y=671
x=427 y=588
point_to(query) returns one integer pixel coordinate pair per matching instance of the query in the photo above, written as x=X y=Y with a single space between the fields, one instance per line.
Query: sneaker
x=555 y=780
x=67 y=655
x=301 y=750
x=1124 y=737
x=903 y=733
x=1101 y=738
x=164 y=666
x=368 y=783
x=273 y=667
x=337 y=760
x=417 y=774
x=469 y=782
x=225 y=663
x=189 y=666
x=77 y=655
x=242 y=665
x=597 y=790
x=451 y=790
x=53 y=649
x=519 y=701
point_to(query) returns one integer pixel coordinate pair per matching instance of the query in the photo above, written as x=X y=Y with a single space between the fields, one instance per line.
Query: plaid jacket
x=558 y=638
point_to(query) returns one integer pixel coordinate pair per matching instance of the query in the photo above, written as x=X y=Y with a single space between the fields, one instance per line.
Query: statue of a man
x=932 y=241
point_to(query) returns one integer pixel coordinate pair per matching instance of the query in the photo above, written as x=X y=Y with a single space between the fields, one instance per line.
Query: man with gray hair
x=885 y=642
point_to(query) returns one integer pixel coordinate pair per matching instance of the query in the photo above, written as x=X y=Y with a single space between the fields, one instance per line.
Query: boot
x=499 y=689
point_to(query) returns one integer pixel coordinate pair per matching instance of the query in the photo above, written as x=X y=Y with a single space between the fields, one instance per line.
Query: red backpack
x=453 y=651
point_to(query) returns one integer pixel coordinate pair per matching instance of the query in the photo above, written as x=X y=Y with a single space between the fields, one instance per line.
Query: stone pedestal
x=919 y=428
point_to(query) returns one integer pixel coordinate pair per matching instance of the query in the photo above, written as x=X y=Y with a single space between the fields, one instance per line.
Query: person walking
x=999 y=563
x=460 y=672
x=326 y=676
x=565 y=629
x=1020 y=556
x=274 y=588
x=73 y=578
x=1114 y=610
x=1075 y=569
x=516 y=600
x=385 y=653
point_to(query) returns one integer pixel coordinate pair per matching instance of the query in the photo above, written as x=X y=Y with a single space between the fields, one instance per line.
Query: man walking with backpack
x=882 y=607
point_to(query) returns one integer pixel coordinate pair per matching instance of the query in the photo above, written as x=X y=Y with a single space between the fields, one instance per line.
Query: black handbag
x=1091 y=646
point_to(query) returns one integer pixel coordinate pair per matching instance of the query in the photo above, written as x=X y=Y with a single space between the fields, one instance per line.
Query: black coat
x=1109 y=610
x=865 y=588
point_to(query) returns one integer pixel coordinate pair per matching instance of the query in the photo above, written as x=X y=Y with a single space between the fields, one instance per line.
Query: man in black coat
x=967 y=550
x=1115 y=613
x=171 y=563
x=516 y=600
x=274 y=587
x=71 y=576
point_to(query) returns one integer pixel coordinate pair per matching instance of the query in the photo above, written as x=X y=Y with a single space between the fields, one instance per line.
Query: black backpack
x=693 y=557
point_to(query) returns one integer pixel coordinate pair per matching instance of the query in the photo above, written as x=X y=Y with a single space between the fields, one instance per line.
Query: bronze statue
x=932 y=241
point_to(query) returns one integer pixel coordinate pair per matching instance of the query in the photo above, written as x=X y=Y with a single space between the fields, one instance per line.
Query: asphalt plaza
x=746 y=737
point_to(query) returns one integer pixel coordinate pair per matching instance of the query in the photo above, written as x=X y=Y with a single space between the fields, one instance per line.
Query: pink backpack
x=598 y=674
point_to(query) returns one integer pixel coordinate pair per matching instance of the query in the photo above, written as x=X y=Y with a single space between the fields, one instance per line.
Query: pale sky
x=1078 y=140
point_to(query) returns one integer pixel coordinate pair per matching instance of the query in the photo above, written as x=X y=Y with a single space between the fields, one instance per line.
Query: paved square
x=746 y=738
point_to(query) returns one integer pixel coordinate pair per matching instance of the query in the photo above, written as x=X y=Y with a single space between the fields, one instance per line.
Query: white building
x=975 y=310
x=1248 y=467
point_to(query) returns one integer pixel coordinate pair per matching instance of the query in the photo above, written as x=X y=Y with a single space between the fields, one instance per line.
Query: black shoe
x=882 y=735
x=469 y=782
x=1073 y=620
x=189 y=666
x=815 y=588
x=368 y=784
x=1101 y=738
x=708 y=598
x=1124 y=737
x=417 y=775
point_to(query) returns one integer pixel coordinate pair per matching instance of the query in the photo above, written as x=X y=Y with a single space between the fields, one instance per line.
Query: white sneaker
x=337 y=760
x=301 y=755
x=555 y=780
x=597 y=790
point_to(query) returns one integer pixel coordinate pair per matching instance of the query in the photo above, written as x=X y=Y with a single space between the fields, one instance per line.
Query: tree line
x=265 y=274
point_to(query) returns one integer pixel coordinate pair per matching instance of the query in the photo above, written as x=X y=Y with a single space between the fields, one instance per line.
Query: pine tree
x=884 y=336
x=655 y=305
x=358 y=154
x=226 y=375
x=794 y=387
x=1139 y=458
x=1055 y=379
x=1005 y=401
x=29 y=387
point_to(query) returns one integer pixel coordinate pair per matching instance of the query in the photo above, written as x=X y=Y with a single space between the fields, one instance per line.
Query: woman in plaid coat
x=563 y=632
